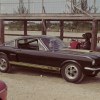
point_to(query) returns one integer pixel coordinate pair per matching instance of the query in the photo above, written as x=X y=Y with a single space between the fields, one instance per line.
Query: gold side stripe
x=35 y=65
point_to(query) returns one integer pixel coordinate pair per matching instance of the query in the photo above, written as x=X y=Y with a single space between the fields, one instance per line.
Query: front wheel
x=4 y=64
x=72 y=72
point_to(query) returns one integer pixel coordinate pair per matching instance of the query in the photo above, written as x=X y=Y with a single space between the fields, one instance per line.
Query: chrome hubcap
x=71 y=71
x=3 y=64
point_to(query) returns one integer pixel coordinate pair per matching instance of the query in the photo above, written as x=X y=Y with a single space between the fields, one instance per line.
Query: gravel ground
x=24 y=84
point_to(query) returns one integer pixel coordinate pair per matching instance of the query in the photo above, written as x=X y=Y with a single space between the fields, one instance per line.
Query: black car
x=47 y=52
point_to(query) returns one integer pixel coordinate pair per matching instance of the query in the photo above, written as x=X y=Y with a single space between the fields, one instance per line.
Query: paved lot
x=24 y=84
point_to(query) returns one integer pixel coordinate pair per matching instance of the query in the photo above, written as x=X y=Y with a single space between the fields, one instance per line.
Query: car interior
x=28 y=44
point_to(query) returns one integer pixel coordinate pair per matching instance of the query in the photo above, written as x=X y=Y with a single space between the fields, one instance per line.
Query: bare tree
x=78 y=7
x=82 y=4
x=22 y=9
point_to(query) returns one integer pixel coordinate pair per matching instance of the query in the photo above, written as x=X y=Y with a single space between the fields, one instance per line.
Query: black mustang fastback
x=50 y=53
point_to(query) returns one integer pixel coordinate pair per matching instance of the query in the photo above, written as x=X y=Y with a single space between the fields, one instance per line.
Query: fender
x=68 y=61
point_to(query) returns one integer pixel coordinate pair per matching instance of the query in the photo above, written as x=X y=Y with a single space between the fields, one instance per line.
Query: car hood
x=81 y=53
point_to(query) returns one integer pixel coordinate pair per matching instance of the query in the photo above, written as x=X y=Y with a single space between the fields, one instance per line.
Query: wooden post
x=61 y=29
x=25 y=27
x=1 y=31
x=44 y=27
x=94 y=35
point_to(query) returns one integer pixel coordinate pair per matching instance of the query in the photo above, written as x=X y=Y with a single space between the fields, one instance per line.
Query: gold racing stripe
x=34 y=65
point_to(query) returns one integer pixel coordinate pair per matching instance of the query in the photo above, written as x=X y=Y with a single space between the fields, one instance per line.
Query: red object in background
x=74 y=44
x=3 y=91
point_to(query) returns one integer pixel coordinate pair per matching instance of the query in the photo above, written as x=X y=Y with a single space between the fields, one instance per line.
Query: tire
x=72 y=72
x=4 y=64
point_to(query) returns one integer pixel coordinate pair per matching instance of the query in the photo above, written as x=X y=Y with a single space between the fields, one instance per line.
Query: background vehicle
x=3 y=91
x=75 y=44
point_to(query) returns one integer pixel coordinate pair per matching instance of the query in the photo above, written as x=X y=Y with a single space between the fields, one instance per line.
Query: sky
x=51 y=6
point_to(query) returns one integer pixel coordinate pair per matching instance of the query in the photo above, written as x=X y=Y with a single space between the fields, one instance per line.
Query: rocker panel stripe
x=34 y=65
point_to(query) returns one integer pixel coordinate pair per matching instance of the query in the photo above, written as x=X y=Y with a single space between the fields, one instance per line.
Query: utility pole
x=94 y=6
x=42 y=6
x=43 y=21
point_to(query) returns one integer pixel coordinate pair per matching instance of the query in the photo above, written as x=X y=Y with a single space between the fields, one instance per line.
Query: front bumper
x=92 y=69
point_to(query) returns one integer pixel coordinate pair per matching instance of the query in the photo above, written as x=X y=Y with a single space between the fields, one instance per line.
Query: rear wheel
x=72 y=72
x=4 y=63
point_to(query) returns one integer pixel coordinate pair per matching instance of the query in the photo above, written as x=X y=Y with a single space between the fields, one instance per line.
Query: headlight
x=93 y=62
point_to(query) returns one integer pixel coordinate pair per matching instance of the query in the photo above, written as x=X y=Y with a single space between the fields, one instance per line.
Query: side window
x=41 y=48
x=31 y=44
x=22 y=44
x=10 y=44
x=36 y=45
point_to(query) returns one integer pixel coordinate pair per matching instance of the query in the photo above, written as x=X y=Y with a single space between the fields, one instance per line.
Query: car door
x=34 y=53
x=29 y=52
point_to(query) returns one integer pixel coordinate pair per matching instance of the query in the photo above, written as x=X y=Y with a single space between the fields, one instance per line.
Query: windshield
x=54 y=44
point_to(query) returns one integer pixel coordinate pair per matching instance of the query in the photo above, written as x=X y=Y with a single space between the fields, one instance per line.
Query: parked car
x=48 y=52
x=3 y=91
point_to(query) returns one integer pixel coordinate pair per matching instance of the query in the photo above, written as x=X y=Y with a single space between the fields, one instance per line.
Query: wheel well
x=71 y=68
x=70 y=61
